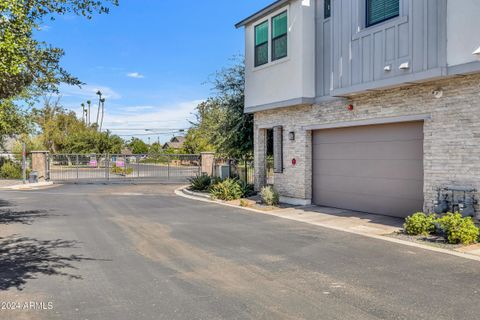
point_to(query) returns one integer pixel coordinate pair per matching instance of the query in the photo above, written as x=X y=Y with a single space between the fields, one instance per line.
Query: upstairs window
x=279 y=36
x=261 y=44
x=381 y=10
x=327 y=9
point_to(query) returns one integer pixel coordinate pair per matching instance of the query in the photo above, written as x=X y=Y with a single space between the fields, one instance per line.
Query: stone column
x=40 y=164
x=260 y=141
x=207 y=162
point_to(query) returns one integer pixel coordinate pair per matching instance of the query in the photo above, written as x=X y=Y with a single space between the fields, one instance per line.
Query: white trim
x=367 y=122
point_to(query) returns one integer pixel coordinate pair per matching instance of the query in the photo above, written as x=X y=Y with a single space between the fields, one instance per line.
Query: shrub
x=121 y=171
x=458 y=229
x=270 y=196
x=11 y=170
x=419 y=223
x=200 y=183
x=243 y=203
x=229 y=189
x=247 y=189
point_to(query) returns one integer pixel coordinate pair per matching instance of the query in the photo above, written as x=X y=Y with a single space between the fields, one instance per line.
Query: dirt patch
x=270 y=294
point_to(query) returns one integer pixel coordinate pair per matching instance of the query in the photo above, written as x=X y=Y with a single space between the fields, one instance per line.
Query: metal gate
x=81 y=168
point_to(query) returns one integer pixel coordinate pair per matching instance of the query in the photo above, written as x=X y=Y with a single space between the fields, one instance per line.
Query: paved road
x=140 y=252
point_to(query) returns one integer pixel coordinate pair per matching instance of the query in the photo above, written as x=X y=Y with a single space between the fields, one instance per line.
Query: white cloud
x=89 y=92
x=164 y=117
x=135 y=75
x=45 y=27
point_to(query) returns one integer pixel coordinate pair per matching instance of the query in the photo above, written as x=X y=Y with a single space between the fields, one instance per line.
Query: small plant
x=420 y=223
x=121 y=171
x=458 y=229
x=243 y=203
x=227 y=190
x=200 y=183
x=11 y=170
x=247 y=189
x=270 y=196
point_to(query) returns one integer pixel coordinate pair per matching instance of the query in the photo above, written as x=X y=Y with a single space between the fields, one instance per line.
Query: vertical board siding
x=358 y=55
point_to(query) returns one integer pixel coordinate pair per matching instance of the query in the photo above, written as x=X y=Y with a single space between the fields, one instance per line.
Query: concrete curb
x=29 y=186
x=181 y=192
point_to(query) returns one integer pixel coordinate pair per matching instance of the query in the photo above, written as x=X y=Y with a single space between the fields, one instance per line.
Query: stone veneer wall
x=452 y=134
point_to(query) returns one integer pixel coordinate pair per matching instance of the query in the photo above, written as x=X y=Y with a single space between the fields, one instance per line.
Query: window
x=279 y=36
x=261 y=44
x=327 y=9
x=381 y=10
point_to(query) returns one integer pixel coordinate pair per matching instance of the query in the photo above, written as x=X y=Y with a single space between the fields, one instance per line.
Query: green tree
x=60 y=131
x=221 y=124
x=138 y=146
x=28 y=67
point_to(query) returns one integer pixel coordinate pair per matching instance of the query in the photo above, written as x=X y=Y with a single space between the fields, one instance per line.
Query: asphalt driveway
x=140 y=252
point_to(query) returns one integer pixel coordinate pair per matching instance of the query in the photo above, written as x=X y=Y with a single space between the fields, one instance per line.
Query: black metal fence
x=242 y=169
x=118 y=167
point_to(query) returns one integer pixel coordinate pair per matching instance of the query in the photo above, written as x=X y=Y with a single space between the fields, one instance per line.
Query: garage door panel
x=396 y=207
x=386 y=132
x=376 y=168
x=404 y=188
x=411 y=149
x=393 y=169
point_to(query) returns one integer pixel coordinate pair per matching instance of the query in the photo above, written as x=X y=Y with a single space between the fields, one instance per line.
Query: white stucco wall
x=291 y=77
x=463 y=31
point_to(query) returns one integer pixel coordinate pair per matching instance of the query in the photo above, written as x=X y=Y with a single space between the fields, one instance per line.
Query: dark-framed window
x=279 y=36
x=261 y=44
x=327 y=9
x=381 y=10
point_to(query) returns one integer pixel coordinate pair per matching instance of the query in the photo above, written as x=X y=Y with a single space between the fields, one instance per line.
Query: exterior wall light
x=291 y=136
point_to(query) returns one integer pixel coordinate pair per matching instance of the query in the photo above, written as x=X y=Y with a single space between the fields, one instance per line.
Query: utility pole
x=99 y=93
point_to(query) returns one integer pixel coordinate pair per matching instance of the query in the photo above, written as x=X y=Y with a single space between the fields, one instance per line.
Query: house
x=372 y=105
x=176 y=143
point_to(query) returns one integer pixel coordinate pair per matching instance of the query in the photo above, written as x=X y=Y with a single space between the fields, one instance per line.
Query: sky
x=152 y=59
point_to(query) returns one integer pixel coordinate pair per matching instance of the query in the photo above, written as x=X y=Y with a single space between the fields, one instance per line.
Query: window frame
x=367 y=14
x=285 y=35
x=256 y=46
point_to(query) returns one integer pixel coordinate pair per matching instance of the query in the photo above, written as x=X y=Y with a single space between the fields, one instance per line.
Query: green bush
x=121 y=171
x=10 y=170
x=458 y=229
x=200 y=183
x=270 y=196
x=227 y=190
x=247 y=189
x=419 y=223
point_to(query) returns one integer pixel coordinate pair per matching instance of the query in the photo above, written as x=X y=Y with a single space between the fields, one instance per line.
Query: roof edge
x=261 y=13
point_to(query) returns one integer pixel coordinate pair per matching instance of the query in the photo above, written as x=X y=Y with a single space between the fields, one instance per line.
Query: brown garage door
x=377 y=169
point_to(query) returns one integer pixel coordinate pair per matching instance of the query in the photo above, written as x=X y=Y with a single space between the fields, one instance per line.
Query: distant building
x=176 y=143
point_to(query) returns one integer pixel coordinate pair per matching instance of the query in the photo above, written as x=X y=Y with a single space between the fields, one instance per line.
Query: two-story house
x=372 y=105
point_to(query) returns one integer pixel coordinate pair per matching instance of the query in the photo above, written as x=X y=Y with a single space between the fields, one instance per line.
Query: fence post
x=168 y=167
x=207 y=160
x=24 y=163
x=138 y=166
x=246 y=171
x=107 y=167
x=77 y=166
